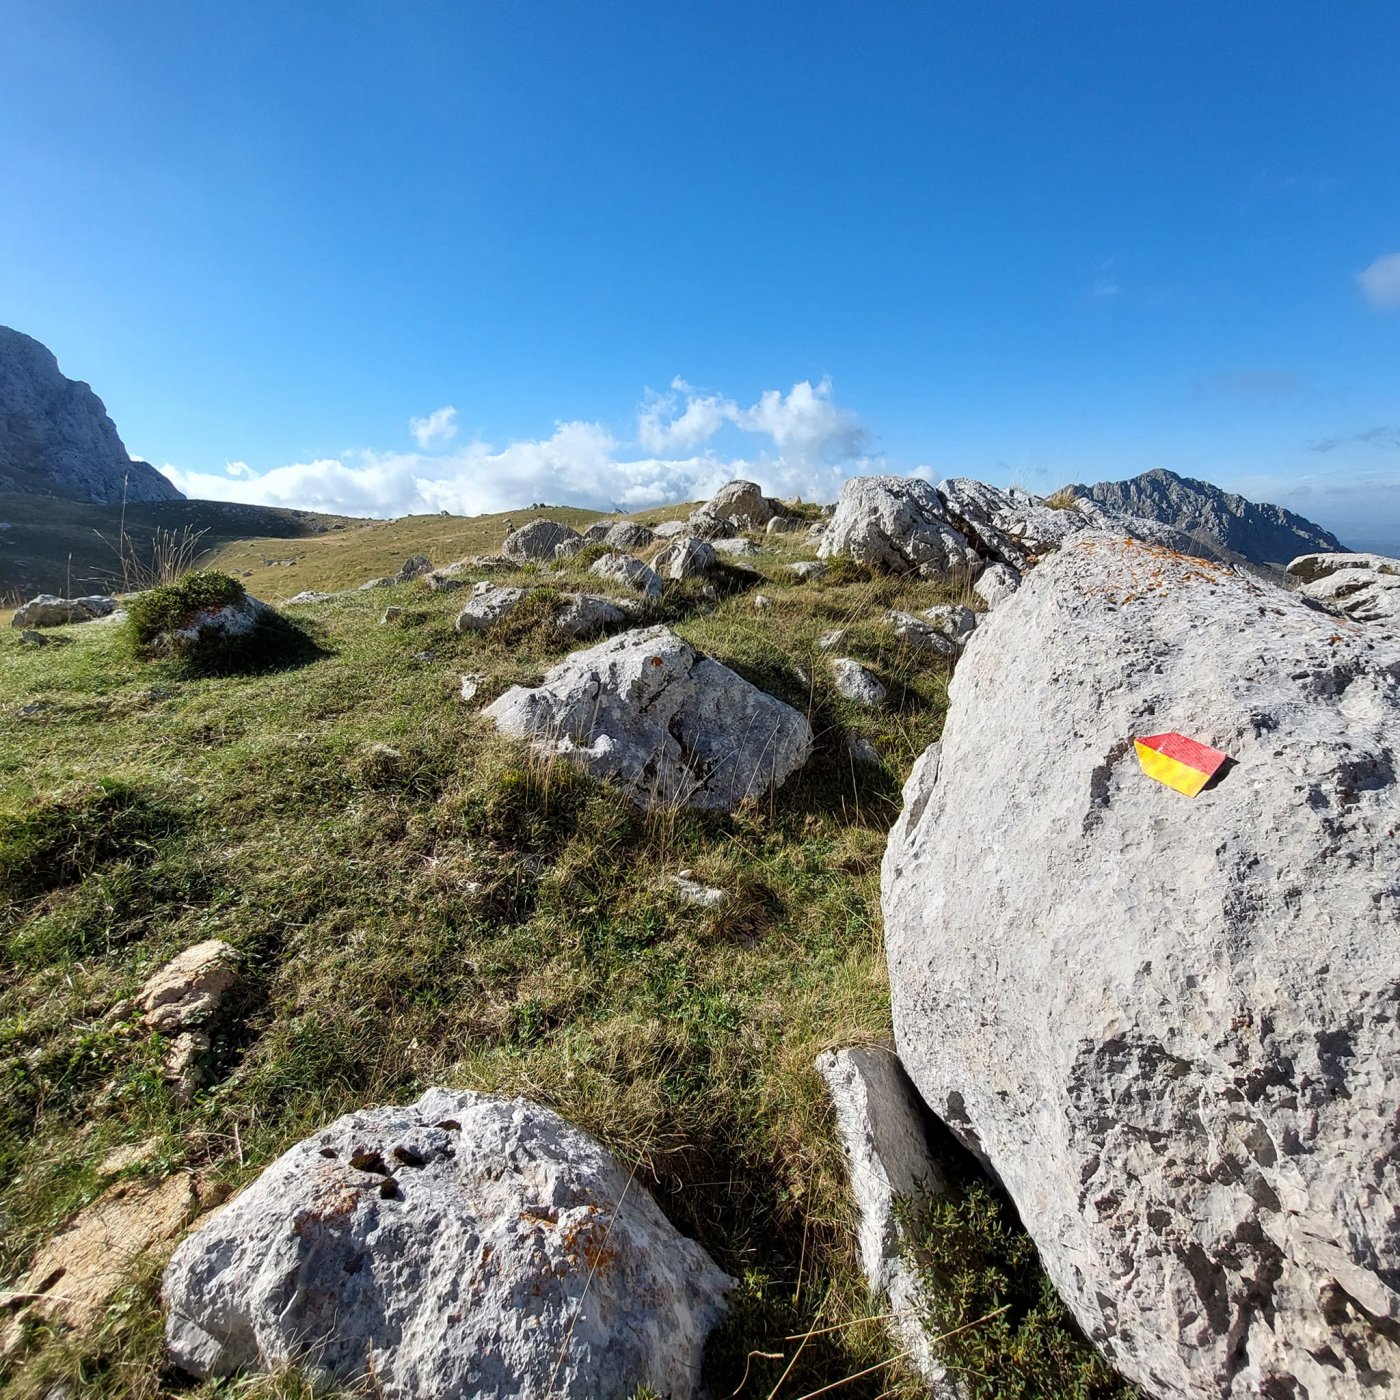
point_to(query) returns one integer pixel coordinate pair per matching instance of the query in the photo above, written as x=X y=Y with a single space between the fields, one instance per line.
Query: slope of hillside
x=451 y=912
x=1261 y=533
x=56 y=437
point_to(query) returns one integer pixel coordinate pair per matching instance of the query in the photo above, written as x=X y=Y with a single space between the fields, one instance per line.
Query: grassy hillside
x=48 y=545
x=453 y=912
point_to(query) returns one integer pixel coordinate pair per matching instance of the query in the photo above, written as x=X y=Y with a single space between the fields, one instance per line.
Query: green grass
x=456 y=913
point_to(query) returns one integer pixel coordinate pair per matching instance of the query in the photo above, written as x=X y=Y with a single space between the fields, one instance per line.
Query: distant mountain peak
x=56 y=438
x=1257 y=531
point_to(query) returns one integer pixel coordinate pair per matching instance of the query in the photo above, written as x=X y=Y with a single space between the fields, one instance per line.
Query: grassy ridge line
x=461 y=914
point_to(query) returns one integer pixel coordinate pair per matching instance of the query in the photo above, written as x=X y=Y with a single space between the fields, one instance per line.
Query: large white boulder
x=684 y=557
x=49 y=610
x=1168 y=1025
x=1366 y=587
x=743 y=503
x=621 y=568
x=646 y=710
x=897 y=524
x=537 y=540
x=462 y=1246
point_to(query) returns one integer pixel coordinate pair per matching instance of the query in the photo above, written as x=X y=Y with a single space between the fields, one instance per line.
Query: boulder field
x=1169 y=1026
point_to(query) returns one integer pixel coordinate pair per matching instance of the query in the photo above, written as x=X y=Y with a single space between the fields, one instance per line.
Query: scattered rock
x=631 y=573
x=899 y=525
x=489 y=605
x=693 y=892
x=414 y=567
x=881 y=1124
x=684 y=557
x=739 y=545
x=566 y=549
x=349 y=1254
x=189 y=988
x=377 y=583
x=762 y=601
x=470 y=687
x=307 y=595
x=1308 y=568
x=49 y=610
x=785 y=525
x=1197 y=1126
x=856 y=684
x=586 y=614
x=536 y=540
x=212 y=627
x=996 y=583
x=669 y=529
x=390 y=615
x=647 y=711
x=597 y=532
x=628 y=534
x=923 y=636
x=861 y=749
x=807 y=569
x=77 y=1271
x=705 y=526
x=829 y=641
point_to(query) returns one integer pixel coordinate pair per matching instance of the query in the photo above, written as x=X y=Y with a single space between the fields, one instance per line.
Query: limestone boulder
x=996 y=583
x=584 y=615
x=1168 y=1025
x=487 y=607
x=49 y=610
x=741 y=546
x=645 y=710
x=629 y=572
x=628 y=535
x=536 y=540
x=898 y=525
x=742 y=502
x=669 y=529
x=1309 y=568
x=855 y=683
x=1366 y=587
x=461 y=1246
x=685 y=557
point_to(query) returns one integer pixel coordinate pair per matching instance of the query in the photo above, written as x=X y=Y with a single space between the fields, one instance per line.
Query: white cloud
x=436 y=430
x=811 y=447
x=1380 y=283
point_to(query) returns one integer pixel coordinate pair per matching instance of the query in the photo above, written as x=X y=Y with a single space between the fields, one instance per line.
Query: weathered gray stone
x=996 y=583
x=785 y=525
x=49 y=610
x=881 y=1124
x=739 y=546
x=461 y=1246
x=669 y=529
x=309 y=595
x=597 y=532
x=488 y=606
x=628 y=534
x=807 y=569
x=856 y=684
x=212 y=626
x=685 y=557
x=899 y=525
x=566 y=549
x=536 y=540
x=742 y=502
x=630 y=572
x=1168 y=1025
x=189 y=988
x=922 y=635
x=705 y=526
x=414 y=567
x=584 y=615
x=1308 y=568
x=693 y=892
x=1366 y=587
x=671 y=726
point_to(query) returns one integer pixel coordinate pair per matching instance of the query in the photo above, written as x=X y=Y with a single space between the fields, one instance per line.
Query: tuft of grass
x=1006 y=1333
x=1063 y=499
x=169 y=607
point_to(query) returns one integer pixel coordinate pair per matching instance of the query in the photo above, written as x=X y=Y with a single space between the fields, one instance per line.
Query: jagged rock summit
x=1168 y=1025
x=1258 y=532
x=56 y=438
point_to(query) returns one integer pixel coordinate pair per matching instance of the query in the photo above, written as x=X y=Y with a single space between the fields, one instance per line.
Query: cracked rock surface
x=461 y=1246
x=1170 y=1026
x=647 y=711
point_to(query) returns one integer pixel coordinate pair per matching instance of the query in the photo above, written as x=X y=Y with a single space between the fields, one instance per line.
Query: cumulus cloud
x=803 y=445
x=1380 y=283
x=436 y=430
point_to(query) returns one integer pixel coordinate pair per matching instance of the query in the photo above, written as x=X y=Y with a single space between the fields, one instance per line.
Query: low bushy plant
x=169 y=607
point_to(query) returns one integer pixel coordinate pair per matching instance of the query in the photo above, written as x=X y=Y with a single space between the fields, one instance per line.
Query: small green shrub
x=982 y=1269
x=171 y=606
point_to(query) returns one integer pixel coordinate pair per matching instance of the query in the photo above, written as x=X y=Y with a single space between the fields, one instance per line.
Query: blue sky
x=638 y=246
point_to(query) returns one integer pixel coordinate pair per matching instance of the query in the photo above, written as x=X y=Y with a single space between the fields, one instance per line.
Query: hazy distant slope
x=1261 y=533
x=56 y=437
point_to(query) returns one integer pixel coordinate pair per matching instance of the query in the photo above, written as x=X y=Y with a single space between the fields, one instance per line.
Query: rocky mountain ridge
x=56 y=437
x=1261 y=533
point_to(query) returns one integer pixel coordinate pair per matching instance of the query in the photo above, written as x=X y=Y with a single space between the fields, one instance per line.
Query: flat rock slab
x=645 y=710
x=1168 y=1025
x=461 y=1246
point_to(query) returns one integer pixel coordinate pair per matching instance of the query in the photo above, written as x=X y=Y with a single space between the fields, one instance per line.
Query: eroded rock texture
x=1170 y=1026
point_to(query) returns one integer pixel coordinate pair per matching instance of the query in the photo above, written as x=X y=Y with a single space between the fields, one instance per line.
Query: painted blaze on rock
x=462 y=1246
x=1170 y=1027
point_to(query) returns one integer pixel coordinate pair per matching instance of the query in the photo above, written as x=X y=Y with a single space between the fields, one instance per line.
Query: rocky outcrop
x=645 y=710
x=1260 y=533
x=1366 y=587
x=460 y=1246
x=49 y=610
x=630 y=573
x=628 y=535
x=536 y=540
x=1169 y=1026
x=56 y=437
x=942 y=630
x=685 y=557
x=180 y=1000
x=743 y=504
x=881 y=1124
x=899 y=525
x=576 y=615
x=995 y=584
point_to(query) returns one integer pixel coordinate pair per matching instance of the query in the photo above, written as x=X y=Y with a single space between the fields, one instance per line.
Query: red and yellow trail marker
x=1179 y=762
